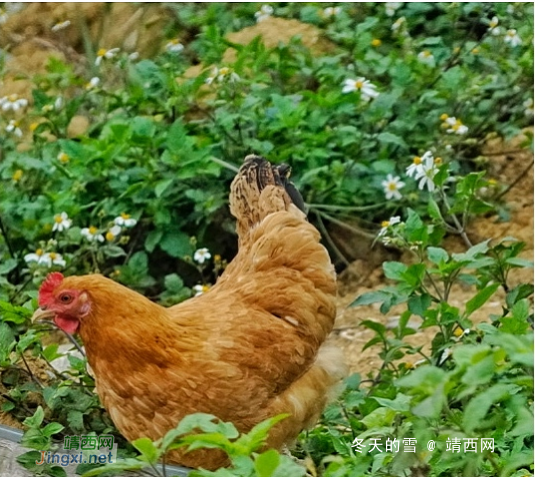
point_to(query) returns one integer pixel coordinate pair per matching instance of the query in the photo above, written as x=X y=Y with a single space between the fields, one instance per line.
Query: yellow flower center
x=392 y=186
x=359 y=84
x=34 y=126
x=458 y=332
x=93 y=230
x=102 y=52
x=493 y=182
x=17 y=176
x=53 y=255
x=511 y=34
x=39 y=251
x=224 y=71
x=376 y=42
x=205 y=288
x=443 y=117
x=109 y=236
x=13 y=97
x=174 y=41
x=385 y=224
x=58 y=219
x=217 y=258
x=125 y=216
x=438 y=160
x=417 y=160
x=426 y=53
x=64 y=157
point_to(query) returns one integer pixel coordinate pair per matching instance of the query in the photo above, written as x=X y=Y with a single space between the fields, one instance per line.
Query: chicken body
x=248 y=349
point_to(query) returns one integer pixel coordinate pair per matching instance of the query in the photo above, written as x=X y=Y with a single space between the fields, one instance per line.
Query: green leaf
x=389 y=138
x=153 y=239
x=520 y=262
x=437 y=255
x=56 y=471
x=472 y=252
x=418 y=304
x=143 y=127
x=14 y=314
x=7 y=341
x=266 y=463
x=36 y=420
x=394 y=270
x=480 y=298
x=162 y=186
x=369 y=298
x=173 y=283
x=149 y=451
x=400 y=404
x=130 y=465
x=52 y=428
x=176 y=244
x=476 y=410
x=434 y=210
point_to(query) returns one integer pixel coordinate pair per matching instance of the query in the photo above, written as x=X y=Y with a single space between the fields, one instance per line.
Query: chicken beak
x=42 y=314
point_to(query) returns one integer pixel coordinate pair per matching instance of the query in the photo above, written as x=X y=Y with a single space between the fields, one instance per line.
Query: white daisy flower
x=265 y=12
x=61 y=222
x=13 y=103
x=108 y=54
x=417 y=164
x=174 y=46
x=388 y=223
x=367 y=89
x=133 y=56
x=427 y=172
x=13 y=128
x=35 y=257
x=63 y=157
x=93 y=83
x=58 y=104
x=396 y=26
x=53 y=258
x=426 y=57
x=456 y=126
x=331 y=12
x=91 y=234
x=124 y=220
x=528 y=107
x=391 y=7
x=113 y=232
x=494 y=29
x=512 y=38
x=221 y=75
x=445 y=355
x=391 y=187
x=201 y=289
x=201 y=255
x=61 y=25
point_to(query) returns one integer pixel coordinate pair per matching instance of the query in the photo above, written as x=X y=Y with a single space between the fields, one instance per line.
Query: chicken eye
x=66 y=298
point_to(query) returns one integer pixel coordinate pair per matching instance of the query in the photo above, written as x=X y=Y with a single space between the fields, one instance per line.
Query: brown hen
x=248 y=349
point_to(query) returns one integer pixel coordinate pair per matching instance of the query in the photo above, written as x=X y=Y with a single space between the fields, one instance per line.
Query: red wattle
x=68 y=325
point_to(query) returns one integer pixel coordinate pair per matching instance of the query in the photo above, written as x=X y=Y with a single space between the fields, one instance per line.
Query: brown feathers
x=246 y=350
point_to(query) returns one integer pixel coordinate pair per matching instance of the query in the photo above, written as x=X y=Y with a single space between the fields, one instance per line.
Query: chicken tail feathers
x=259 y=189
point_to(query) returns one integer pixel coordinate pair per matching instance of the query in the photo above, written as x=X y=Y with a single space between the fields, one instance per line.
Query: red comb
x=49 y=285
